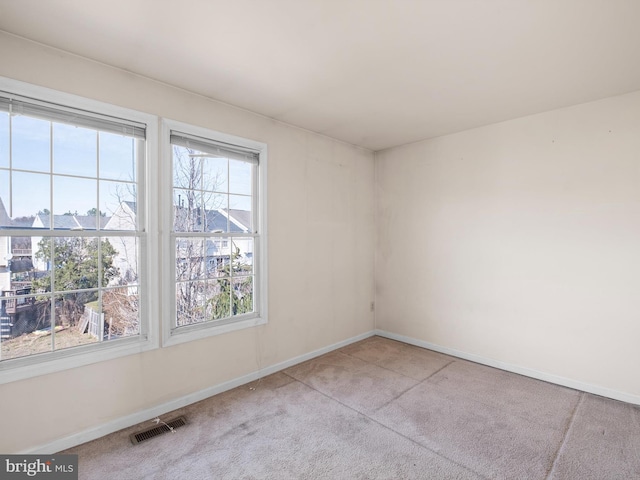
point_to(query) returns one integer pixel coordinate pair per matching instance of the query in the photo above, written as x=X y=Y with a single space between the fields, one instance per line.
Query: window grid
x=227 y=276
x=53 y=235
x=153 y=194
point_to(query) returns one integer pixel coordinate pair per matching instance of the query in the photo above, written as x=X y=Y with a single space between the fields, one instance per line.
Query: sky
x=81 y=163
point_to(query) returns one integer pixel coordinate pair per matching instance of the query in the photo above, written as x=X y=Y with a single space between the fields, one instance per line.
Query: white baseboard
x=143 y=415
x=528 y=372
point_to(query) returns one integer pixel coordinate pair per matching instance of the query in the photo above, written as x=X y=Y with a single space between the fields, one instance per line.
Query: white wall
x=520 y=242
x=320 y=199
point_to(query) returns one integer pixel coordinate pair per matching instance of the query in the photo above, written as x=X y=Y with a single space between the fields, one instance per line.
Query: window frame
x=148 y=221
x=172 y=334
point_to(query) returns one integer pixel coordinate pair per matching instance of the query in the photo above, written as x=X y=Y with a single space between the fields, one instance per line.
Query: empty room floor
x=383 y=409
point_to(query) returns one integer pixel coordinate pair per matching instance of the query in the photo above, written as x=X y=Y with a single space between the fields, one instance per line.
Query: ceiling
x=373 y=73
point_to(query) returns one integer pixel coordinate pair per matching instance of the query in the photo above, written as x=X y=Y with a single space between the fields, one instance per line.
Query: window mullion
x=10 y=164
x=52 y=252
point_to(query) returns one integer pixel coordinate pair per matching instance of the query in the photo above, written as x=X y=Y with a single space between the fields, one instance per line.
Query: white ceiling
x=374 y=73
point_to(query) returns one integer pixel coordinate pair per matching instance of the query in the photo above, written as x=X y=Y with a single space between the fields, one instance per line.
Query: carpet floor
x=381 y=409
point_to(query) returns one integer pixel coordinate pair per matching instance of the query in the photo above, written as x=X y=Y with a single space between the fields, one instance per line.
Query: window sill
x=209 y=329
x=33 y=366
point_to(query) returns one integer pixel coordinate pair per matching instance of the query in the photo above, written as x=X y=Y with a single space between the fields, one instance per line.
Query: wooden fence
x=93 y=323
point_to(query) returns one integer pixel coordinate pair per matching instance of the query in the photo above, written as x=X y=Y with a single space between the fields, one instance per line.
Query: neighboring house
x=15 y=253
x=220 y=249
x=239 y=222
x=15 y=268
x=217 y=250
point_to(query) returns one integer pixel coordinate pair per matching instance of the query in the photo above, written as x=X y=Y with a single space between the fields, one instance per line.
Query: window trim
x=170 y=334
x=50 y=362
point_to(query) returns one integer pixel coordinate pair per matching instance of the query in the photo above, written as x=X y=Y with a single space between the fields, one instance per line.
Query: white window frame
x=172 y=335
x=34 y=365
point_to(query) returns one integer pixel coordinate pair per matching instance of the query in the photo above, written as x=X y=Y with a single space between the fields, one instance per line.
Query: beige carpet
x=380 y=409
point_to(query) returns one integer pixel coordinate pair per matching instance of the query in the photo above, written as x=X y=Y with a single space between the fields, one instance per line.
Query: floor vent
x=163 y=428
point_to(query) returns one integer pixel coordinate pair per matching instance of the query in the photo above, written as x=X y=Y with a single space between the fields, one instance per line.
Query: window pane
x=218 y=257
x=242 y=254
x=121 y=312
x=188 y=211
x=74 y=150
x=240 y=177
x=240 y=213
x=31 y=196
x=215 y=174
x=75 y=198
x=118 y=157
x=187 y=168
x=25 y=324
x=75 y=260
x=191 y=302
x=78 y=319
x=31 y=144
x=216 y=212
x=124 y=262
x=41 y=262
x=190 y=264
x=242 y=295
x=220 y=298
x=4 y=139
x=118 y=199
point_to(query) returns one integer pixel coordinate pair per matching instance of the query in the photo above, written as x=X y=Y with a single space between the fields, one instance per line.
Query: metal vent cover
x=161 y=429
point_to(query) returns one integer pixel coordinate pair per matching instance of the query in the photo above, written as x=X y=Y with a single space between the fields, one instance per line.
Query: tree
x=94 y=211
x=75 y=266
x=233 y=298
x=194 y=203
x=120 y=307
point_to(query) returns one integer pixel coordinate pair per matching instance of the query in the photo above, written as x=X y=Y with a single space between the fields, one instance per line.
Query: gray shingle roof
x=241 y=216
x=71 y=222
x=87 y=222
x=63 y=222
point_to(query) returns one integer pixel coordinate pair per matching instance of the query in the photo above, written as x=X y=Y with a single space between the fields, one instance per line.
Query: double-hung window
x=86 y=271
x=217 y=235
x=73 y=241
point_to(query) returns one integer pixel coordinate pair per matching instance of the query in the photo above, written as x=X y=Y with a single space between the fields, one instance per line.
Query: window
x=86 y=274
x=217 y=231
x=72 y=230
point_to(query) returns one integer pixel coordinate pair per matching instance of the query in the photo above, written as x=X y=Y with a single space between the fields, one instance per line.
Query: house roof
x=216 y=220
x=64 y=222
x=87 y=222
x=7 y=222
x=71 y=222
x=22 y=222
x=240 y=217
